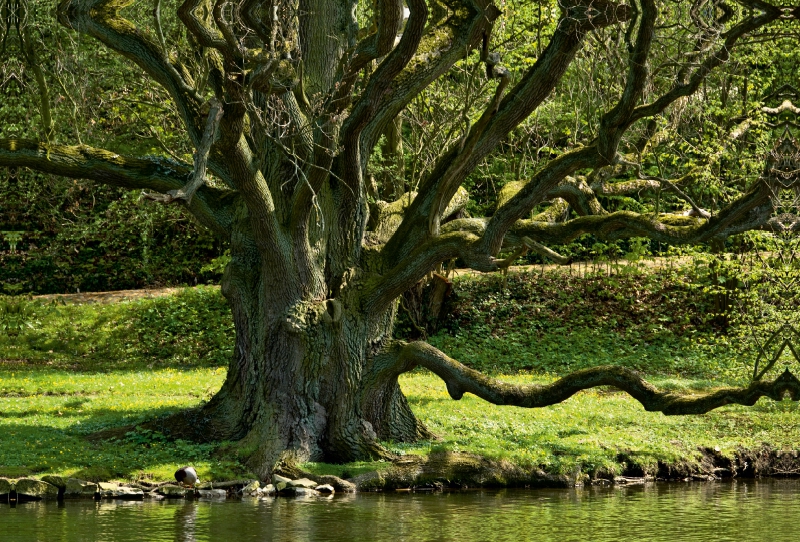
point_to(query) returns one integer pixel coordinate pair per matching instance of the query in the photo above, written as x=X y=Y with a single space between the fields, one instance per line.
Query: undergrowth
x=190 y=329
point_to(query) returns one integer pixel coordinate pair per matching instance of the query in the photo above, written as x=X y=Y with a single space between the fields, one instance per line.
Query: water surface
x=736 y=511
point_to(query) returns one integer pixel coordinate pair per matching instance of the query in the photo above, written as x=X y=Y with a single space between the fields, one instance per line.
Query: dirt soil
x=108 y=297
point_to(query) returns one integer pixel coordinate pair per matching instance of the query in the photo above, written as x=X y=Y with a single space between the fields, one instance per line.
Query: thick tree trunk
x=425 y=304
x=305 y=382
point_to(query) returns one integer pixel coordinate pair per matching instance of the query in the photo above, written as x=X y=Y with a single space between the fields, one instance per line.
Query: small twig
x=544 y=251
x=506 y=263
x=159 y=31
x=411 y=319
x=163 y=145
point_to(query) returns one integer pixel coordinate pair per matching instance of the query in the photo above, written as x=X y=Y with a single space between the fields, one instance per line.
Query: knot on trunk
x=333 y=311
x=300 y=316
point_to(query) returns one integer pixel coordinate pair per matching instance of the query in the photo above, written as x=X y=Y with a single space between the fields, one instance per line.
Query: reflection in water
x=739 y=511
x=185 y=521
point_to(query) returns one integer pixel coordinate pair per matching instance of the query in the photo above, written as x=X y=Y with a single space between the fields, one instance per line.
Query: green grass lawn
x=46 y=415
x=69 y=371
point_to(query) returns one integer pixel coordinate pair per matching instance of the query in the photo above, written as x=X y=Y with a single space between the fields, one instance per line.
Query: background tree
x=284 y=104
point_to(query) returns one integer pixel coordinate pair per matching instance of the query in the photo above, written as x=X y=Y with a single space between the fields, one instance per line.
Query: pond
x=740 y=511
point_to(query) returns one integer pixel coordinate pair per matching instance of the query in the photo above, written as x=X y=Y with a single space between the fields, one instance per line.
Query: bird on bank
x=186 y=476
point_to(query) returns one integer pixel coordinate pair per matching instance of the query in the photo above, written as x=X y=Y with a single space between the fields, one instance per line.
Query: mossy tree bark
x=313 y=290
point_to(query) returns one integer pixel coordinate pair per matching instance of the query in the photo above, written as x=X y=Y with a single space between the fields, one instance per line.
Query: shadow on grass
x=107 y=445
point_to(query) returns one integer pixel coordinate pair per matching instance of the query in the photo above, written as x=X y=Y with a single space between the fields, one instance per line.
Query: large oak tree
x=285 y=101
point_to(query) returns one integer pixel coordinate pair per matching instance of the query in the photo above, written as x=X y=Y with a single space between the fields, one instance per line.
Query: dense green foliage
x=76 y=236
x=654 y=322
x=692 y=136
x=62 y=236
x=683 y=317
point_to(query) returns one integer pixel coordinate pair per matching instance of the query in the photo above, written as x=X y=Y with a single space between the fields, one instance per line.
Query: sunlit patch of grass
x=46 y=415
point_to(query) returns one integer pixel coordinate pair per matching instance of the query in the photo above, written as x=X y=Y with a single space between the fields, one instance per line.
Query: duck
x=186 y=476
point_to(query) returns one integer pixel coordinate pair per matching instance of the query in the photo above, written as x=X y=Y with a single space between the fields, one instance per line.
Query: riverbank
x=78 y=369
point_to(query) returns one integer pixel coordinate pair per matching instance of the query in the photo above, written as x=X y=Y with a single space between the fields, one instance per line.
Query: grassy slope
x=655 y=321
x=76 y=369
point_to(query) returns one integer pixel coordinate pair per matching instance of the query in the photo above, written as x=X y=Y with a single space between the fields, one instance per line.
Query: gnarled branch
x=460 y=379
x=101 y=20
x=151 y=173
x=457 y=30
x=762 y=14
x=515 y=107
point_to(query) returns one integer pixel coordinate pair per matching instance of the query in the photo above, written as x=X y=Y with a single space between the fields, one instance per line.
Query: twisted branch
x=210 y=206
x=460 y=379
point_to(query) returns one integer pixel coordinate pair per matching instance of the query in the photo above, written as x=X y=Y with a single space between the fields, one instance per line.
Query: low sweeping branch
x=209 y=206
x=460 y=379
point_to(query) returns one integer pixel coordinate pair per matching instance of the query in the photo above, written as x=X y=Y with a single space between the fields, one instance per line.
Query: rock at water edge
x=268 y=489
x=77 y=489
x=251 y=489
x=114 y=491
x=304 y=482
x=36 y=489
x=172 y=491
x=59 y=481
x=212 y=493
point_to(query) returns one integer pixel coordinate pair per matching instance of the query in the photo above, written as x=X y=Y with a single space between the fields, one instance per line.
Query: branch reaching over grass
x=460 y=379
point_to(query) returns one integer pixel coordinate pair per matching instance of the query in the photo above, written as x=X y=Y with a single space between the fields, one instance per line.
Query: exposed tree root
x=461 y=379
